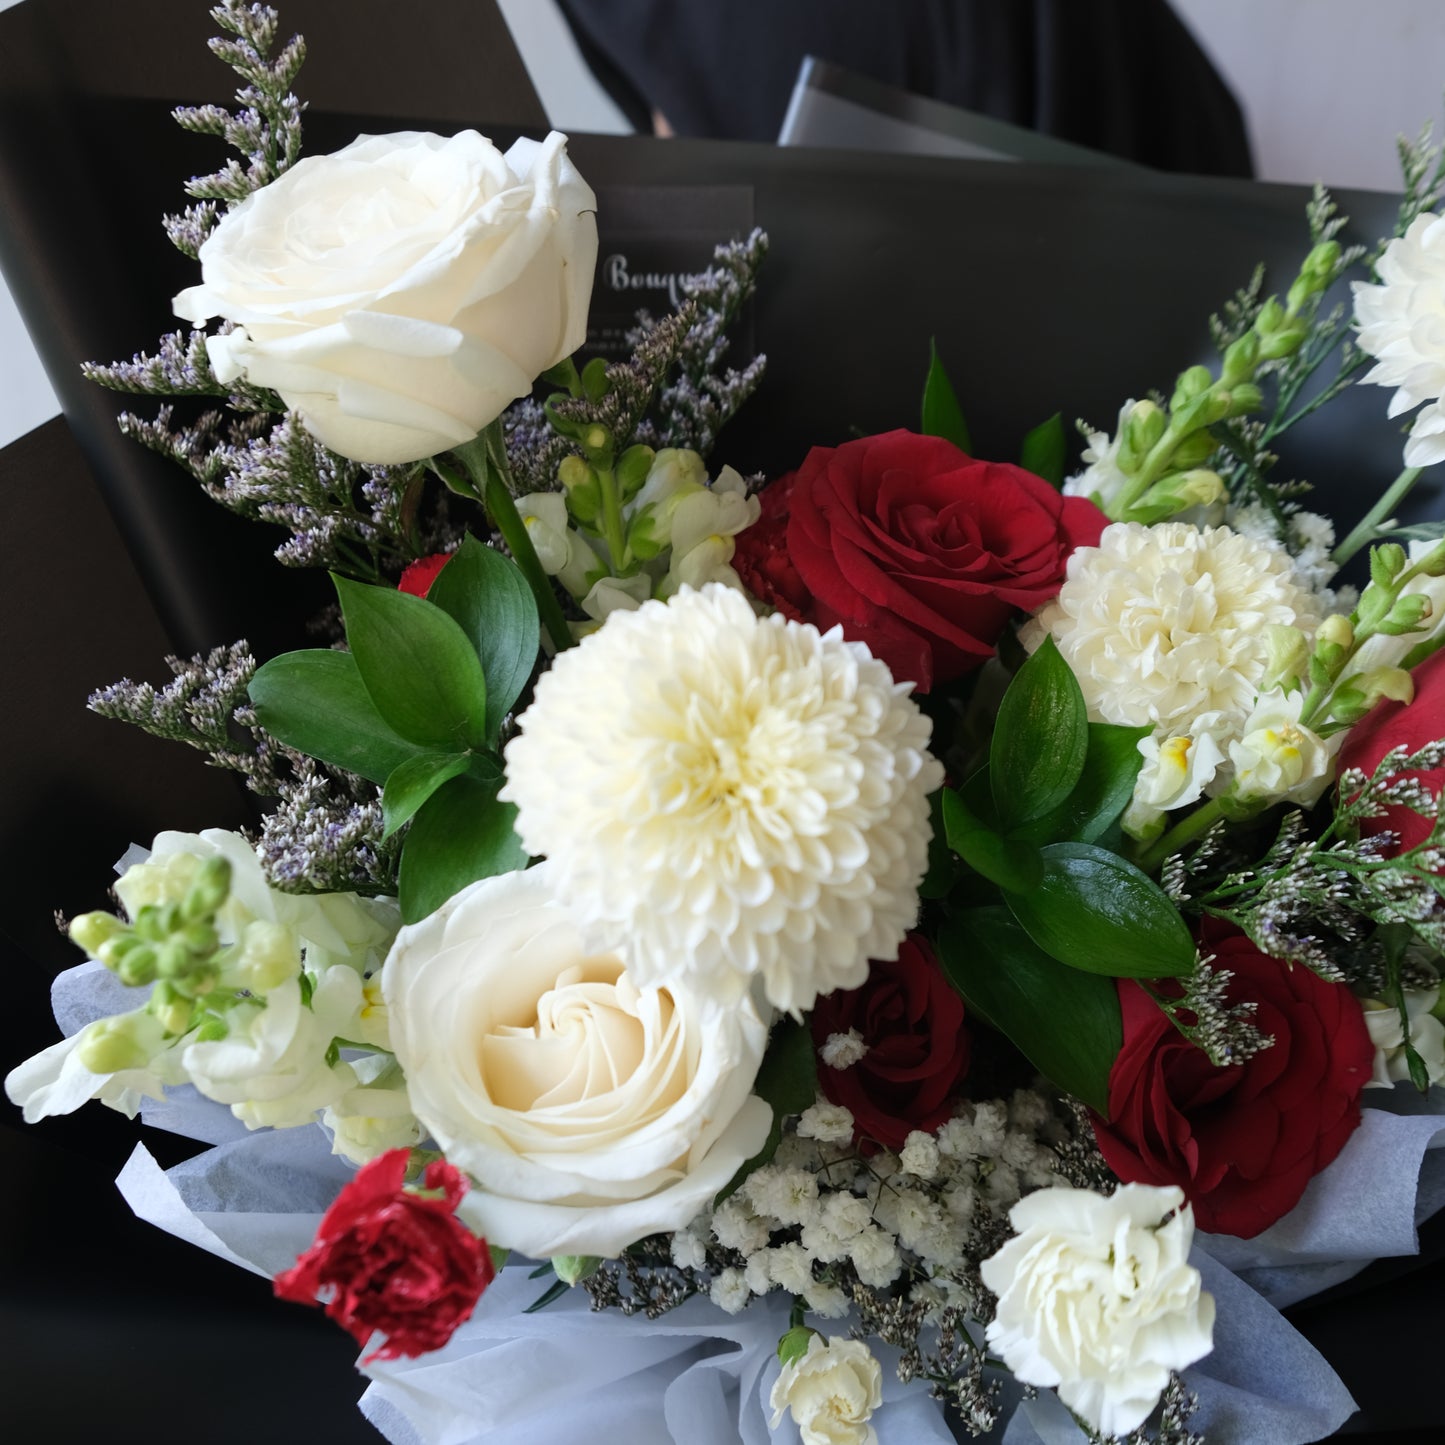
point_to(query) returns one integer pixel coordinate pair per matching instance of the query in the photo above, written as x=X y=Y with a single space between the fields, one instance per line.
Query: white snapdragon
x=1102 y=479
x=375 y=1115
x=563 y=552
x=1279 y=759
x=1096 y=1298
x=1427 y=1037
x=1175 y=772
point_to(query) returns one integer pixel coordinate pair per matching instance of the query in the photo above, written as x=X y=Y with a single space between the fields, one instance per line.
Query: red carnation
x=1402 y=725
x=918 y=550
x=917 y=1050
x=1244 y=1140
x=419 y=575
x=394 y=1260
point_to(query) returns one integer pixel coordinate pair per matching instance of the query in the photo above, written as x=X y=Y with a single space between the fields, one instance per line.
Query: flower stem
x=485 y=459
x=1396 y=493
x=1185 y=831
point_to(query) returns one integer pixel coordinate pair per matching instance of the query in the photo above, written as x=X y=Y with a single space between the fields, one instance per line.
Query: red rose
x=419 y=575
x=918 y=550
x=917 y=1051
x=394 y=1260
x=1399 y=724
x=1241 y=1141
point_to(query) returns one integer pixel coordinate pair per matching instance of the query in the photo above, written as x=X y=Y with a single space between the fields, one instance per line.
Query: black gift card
x=651 y=241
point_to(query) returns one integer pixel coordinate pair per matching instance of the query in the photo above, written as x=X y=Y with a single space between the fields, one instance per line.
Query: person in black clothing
x=1123 y=76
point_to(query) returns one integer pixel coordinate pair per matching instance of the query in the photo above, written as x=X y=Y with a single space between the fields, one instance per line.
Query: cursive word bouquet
x=872 y=939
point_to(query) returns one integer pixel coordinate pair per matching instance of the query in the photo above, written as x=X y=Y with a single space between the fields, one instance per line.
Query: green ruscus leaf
x=1040 y=739
x=942 y=415
x=1065 y=1022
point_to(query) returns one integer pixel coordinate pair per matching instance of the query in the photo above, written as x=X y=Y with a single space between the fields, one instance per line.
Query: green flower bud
x=584 y=491
x=92 y=930
x=1287 y=656
x=1406 y=615
x=1375 y=686
x=1284 y=342
x=211 y=1029
x=1374 y=604
x=1194 y=451
x=110 y=1046
x=200 y=938
x=570 y=1268
x=1270 y=318
x=1336 y=629
x=1322 y=261
x=1144 y=426
x=1245 y=398
x=173 y=960
x=1192 y=383
x=1240 y=359
x=1387 y=561
x=208 y=891
x=1203 y=411
x=597 y=446
x=595 y=384
x=171 y=1010
x=137 y=966
x=632 y=469
x=150 y=923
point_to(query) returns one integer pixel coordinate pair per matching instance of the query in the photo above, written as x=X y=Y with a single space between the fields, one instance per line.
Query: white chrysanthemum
x=1163 y=623
x=1402 y=325
x=730 y=796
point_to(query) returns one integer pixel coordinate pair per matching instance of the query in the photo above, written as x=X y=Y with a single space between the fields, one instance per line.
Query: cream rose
x=1097 y=1297
x=590 y=1112
x=400 y=293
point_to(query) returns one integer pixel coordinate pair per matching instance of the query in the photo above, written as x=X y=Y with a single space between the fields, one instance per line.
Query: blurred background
x=1324 y=86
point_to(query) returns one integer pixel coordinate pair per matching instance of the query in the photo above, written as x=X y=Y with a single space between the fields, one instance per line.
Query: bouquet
x=863 y=953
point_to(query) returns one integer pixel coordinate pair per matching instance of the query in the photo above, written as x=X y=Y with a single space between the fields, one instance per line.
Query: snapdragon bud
x=1387 y=561
x=1432 y=564
x=269 y=956
x=1191 y=384
x=1359 y=693
x=1287 y=657
x=1284 y=342
x=1406 y=615
x=583 y=490
x=208 y=891
x=110 y=1046
x=92 y=930
x=1240 y=359
x=1203 y=411
x=1245 y=399
x=1271 y=317
x=1142 y=430
x=633 y=467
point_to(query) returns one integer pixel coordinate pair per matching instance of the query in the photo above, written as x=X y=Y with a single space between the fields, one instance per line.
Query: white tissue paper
x=698 y=1376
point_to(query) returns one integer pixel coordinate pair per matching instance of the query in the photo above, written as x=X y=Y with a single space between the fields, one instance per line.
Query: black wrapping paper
x=1046 y=290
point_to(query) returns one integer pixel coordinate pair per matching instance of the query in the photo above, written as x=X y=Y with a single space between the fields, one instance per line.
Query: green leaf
x=1011 y=864
x=1044 y=451
x=460 y=834
x=419 y=667
x=943 y=870
x=942 y=415
x=1097 y=912
x=1102 y=792
x=487 y=596
x=1040 y=739
x=315 y=701
x=1066 y=1023
x=413 y=782
x=788 y=1081
x=554 y=1293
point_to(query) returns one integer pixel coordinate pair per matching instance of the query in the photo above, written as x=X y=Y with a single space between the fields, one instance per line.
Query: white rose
x=591 y=1113
x=401 y=292
x=1096 y=1297
x=832 y=1391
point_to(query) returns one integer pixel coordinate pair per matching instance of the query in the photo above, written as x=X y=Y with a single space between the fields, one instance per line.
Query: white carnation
x=831 y=1393
x=1096 y=1297
x=1402 y=325
x=736 y=797
x=1163 y=623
